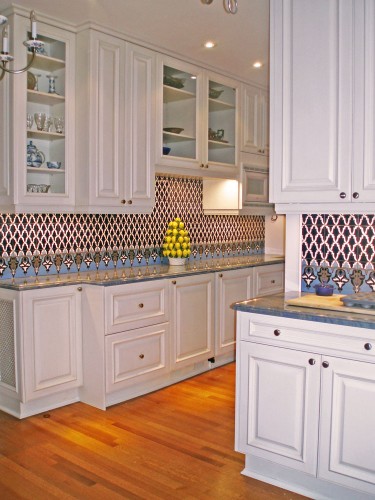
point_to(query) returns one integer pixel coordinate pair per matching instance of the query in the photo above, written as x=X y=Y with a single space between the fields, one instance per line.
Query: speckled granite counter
x=131 y=274
x=274 y=305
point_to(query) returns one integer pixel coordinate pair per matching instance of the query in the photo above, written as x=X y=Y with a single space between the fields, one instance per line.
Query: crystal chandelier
x=231 y=6
x=32 y=45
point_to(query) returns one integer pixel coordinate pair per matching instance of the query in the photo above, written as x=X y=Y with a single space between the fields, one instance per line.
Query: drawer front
x=135 y=305
x=319 y=337
x=134 y=356
x=268 y=279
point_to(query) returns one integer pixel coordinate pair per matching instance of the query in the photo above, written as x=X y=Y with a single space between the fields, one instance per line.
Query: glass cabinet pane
x=221 y=123
x=45 y=121
x=179 y=113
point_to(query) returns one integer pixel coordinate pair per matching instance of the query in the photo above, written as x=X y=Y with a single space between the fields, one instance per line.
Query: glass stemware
x=40 y=119
x=59 y=124
x=29 y=120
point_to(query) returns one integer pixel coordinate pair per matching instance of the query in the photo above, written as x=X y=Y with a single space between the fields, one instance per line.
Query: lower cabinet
x=192 y=317
x=304 y=416
x=51 y=340
x=41 y=349
x=231 y=286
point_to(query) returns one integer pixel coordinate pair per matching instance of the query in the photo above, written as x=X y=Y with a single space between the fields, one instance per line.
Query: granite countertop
x=111 y=277
x=274 y=305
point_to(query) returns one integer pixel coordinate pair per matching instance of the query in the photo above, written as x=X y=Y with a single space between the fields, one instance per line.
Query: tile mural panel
x=338 y=249
x=33 y=244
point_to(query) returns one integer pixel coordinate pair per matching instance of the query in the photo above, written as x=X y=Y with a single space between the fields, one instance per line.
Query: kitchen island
x=305 y=397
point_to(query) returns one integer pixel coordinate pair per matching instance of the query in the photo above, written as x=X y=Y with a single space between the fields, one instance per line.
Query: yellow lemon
x=170 y=246
x=184 y=253
x=177 y=219
x=173 y=239
x=179 y=253
x=175 y=231
x=180 y=239
x=184 y=245
x=173 y=253
x=177 y=245
x=181 y=225
x=174 y=224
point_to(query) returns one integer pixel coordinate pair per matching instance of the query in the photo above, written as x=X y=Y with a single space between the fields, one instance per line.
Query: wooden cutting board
x=332 y=303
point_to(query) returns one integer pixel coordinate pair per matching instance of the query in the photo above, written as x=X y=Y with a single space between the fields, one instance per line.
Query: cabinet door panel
x=140 y=99
x=193 y=320
x=278 y=408
x=52 y=341
x=233 y=286
x=312 y=93
x=106 y=151
x=364 y=100
x=347 y=423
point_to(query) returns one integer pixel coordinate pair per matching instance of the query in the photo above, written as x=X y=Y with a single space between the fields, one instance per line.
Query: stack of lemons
x=176 y=241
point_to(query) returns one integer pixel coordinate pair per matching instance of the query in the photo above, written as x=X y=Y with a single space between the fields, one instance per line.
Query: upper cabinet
x=197 y=121
x=322 y=106
x=37 y=171
x=116 y=95
x=254 y=120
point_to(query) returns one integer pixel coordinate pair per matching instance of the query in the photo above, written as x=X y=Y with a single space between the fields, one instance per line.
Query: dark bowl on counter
x=323 y=290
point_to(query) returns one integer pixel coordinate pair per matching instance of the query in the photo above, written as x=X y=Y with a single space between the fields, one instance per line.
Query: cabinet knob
x=201 y=165
x=140 y=305
x=356 y=196
x=325 y=364
x=342 y=195
x=220 y=275
x=368 y=346
x=141 y=356
x=312 y=361
x=130 y=202
x=276 y=332
x=273 y=282
x=123 y=202
x=79 y=289
x=174 y=282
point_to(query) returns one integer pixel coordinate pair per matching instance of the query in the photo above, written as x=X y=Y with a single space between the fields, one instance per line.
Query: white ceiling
x=179 y=27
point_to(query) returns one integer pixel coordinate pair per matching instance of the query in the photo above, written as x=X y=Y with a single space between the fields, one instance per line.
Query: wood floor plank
x=176 y=443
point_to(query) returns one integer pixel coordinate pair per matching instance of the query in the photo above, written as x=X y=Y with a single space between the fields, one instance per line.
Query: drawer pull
x=325 y=364
x=220 y=275
x=174 y=282
x=79 y=289
x=123 y=202
x=273 y=282
x=140 y=305
x=368 y=346
x=141 y=356
x=276 y=332
x=312 y=361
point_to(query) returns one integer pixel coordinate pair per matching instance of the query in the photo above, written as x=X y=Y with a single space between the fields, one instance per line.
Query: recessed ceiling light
x=210 y=44
x=257 y=64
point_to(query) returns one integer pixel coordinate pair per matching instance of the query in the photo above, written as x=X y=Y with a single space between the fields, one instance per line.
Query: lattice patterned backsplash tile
x=339 y=249
x=49 y=243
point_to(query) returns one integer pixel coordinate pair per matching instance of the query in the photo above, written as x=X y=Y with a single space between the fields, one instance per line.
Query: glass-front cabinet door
x=222 y=123
x=197 y=120
x=43 y=121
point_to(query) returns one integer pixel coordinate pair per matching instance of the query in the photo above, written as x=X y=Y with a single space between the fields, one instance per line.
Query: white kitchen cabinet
x=304 y=404
x=230 y=286
x=51 y=341
x=254 y=120
x=278 y=410
x=192 y=319
x=268 y=279
x=197 y=120
x=116 y=93
x=29 y=93
x=321 y=112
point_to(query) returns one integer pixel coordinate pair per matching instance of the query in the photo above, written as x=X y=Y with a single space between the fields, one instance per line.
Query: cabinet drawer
x=139 y=353
x=135 y=305
x=268 y=279
x=319 y=337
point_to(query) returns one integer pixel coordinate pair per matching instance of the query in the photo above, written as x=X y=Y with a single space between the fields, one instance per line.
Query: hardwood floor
x=176 y=443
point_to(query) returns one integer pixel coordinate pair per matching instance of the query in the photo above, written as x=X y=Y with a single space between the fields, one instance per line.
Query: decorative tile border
x=39 y=244
x=338 y=249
